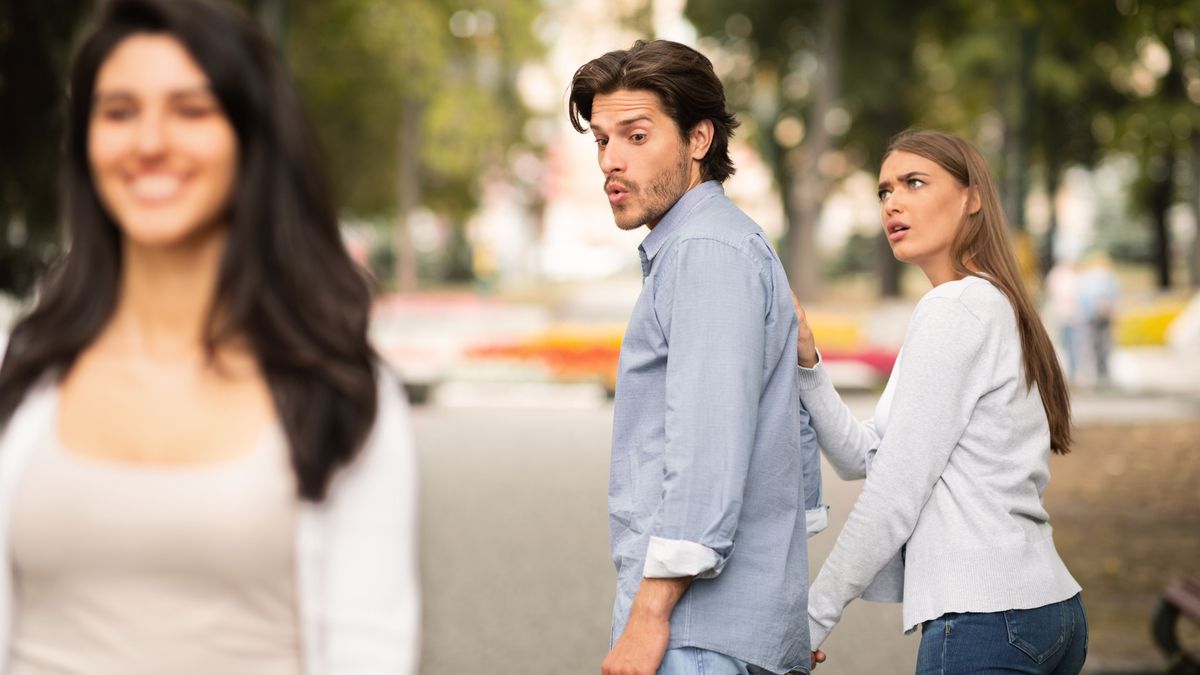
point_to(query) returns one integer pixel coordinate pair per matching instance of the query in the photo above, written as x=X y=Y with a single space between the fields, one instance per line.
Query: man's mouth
x=617 y=193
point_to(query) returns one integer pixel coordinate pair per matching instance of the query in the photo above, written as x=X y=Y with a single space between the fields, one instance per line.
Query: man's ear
x=700 y=139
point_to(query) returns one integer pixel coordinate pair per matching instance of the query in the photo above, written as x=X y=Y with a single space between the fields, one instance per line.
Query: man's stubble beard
x=660 y=194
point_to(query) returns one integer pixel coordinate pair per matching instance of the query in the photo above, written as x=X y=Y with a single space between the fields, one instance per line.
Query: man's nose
x=611 y=160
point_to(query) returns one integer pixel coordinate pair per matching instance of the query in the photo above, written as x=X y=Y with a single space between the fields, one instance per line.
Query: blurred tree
x=1158 y=70
x=792 y=71
x=1038 y=86
x=413 y=100
x=1051 y=85
x=832 y=82
x=431 y=81
x=35 y=41
x=1019 y=78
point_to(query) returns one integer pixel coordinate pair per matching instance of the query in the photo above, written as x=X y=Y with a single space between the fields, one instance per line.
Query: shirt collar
x=675 y=217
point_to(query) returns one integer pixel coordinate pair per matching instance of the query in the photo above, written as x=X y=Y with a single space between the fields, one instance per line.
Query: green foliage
x=1034 y=84
x=369 y=67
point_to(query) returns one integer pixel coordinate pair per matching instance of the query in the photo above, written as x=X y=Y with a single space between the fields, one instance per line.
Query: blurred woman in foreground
x=950 y=519
x=203 y=466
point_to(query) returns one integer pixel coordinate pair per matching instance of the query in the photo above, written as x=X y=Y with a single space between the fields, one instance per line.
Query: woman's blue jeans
x=1049 y=639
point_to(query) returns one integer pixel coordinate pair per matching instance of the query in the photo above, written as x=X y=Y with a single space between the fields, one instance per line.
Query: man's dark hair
x=681 y=77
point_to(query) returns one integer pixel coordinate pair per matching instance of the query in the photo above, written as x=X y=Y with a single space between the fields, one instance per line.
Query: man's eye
x=637 y=138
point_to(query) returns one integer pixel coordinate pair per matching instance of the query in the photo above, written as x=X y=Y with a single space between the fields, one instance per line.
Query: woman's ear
x=974 y=203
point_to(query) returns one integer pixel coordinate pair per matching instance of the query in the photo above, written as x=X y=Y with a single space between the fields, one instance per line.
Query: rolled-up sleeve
x=712 y=305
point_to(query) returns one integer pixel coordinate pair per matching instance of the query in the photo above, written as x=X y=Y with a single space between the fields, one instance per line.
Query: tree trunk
x=1049 y=253
x=1194 y=258
x=809 y=186
x=1023 y=134
x=408 y=192
x=1160 y=202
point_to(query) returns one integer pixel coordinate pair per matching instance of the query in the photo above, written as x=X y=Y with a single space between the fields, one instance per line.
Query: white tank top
x=130 y=569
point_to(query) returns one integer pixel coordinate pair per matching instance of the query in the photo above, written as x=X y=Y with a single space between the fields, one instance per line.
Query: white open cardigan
x=356 y=563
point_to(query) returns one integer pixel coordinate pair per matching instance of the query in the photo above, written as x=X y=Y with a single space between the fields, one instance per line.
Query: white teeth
x=156 y=187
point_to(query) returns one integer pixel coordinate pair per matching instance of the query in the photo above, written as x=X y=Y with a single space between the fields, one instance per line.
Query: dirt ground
x=1125 y=506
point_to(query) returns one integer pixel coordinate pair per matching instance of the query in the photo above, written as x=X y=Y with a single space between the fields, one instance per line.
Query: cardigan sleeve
x=369 y=589
x=943 y=375
x=847 y=442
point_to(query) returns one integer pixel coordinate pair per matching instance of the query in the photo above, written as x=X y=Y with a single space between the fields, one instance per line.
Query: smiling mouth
x=156 y=187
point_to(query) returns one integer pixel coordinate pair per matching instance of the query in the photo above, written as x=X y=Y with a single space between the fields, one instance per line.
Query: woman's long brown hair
x=982 y=247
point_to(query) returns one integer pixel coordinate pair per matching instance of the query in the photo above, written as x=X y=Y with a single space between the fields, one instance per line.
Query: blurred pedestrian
x=950 y=519
x=704 y=452
x=1098 y=290
x=204 y=468
x=1062 y=292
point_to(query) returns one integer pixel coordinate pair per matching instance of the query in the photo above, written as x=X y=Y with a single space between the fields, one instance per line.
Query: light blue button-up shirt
x=714 y=464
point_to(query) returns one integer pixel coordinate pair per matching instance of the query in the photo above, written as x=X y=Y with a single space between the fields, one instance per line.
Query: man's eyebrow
x=633 y=120
x=623 y=123
x=903 y=178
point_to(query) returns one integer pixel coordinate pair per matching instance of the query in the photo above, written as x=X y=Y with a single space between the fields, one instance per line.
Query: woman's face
x=921 y=206
x=163 y=155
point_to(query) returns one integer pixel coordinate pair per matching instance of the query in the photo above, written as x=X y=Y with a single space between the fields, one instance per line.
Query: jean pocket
x=1039 y=632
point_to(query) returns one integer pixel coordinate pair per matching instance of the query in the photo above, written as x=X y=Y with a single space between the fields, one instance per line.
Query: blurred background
x=504 y=285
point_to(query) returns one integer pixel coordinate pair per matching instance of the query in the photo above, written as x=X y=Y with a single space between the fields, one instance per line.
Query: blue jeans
x=1049 y=639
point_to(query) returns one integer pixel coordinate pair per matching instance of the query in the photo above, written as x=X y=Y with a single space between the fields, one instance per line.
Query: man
x=713 y=462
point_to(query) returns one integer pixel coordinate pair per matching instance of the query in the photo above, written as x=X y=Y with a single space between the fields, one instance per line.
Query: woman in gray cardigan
x=950 y=519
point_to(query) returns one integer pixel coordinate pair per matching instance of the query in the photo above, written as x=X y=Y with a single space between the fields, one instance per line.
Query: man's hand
x=818 y=656
x=806 y=346
x=641 y=647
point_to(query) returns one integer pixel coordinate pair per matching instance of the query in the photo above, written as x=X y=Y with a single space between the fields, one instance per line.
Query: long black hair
x=286 y=282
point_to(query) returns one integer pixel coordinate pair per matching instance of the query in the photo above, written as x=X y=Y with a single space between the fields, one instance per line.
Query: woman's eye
x=602 y=142
x=915 y=182
x=883 y=194
x=195 y=111
x=196 y=108
x=117 y=113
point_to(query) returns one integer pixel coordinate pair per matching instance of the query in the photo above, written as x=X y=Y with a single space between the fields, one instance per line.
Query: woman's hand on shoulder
x=806 y=347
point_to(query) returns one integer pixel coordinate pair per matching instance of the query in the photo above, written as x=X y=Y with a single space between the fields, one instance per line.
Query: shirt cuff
x=816 y=520
x=674 y=558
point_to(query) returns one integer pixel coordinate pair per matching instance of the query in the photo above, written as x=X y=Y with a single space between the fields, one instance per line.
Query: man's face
x=647 y=165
